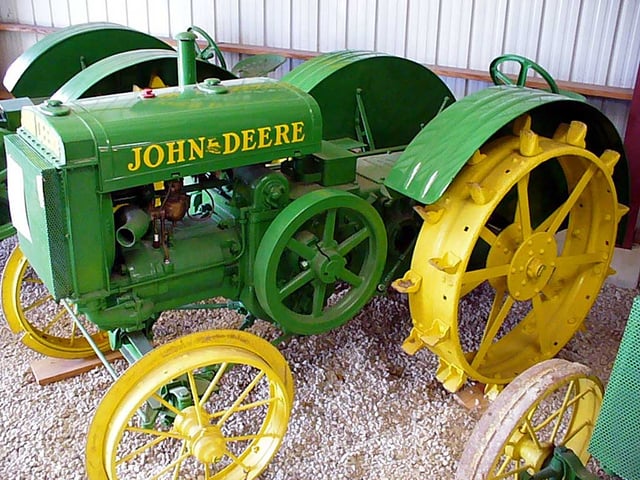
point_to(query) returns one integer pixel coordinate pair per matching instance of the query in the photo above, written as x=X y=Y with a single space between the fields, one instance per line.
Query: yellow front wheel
x=555 y=403
x=209 y=405
x=30 y=309
x=511 y=258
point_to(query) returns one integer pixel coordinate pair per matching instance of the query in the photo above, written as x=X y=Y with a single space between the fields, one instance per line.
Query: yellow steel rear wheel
x=30 y=309
x=237 y=395
x=554 y=403
x=540 y=256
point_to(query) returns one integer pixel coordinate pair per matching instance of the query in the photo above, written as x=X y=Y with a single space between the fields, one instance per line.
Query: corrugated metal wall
x=588 y=41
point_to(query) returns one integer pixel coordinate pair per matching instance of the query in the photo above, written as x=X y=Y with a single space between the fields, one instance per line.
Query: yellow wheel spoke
x=176 y=471
x=532 y=433
x=561 y=213
x=194 y=395
x=568 y=261
x=166 y=404
x=155 y=433
x=56 y=318
x=245 y=407
x=240 y=399
x=37 y=303
x=214 y=383
x=555 y=414
x=499 y=311
x=175 y=464
x=139 y=450
x=488 y=236
x=562 y=410
x=523 y=212
x=72 y=335
x=235 y=459
x=476 y=277
x=570 y=436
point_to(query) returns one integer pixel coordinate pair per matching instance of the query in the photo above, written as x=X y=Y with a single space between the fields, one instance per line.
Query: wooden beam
x=587 y=89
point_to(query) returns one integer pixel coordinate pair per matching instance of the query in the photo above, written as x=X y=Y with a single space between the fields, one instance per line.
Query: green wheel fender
x=385 y=98
x=436 y=155
x=320 y=261
x=119 y=72
x=52 y=61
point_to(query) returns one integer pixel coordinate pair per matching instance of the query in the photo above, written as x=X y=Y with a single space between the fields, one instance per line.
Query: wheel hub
x=205 y=442
x=328 y=264
x=522 y=447
x=532 y=266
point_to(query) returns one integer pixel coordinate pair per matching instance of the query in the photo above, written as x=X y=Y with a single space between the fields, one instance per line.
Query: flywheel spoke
x=296 y=283
x=329 y=226
x=350 y=277
x=304 y=251
x=316 y=244
x=353 y=241
x=319 y=292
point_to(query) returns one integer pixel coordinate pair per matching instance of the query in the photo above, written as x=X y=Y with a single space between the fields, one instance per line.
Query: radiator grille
x=616 y=439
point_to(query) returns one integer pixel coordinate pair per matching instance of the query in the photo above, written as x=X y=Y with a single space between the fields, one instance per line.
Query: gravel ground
x=363 y=409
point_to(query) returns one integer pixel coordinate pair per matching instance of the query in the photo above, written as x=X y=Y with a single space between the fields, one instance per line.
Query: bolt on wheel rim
x=541 y=262
x=46 y=326
x=209 y=405
x=552 y=404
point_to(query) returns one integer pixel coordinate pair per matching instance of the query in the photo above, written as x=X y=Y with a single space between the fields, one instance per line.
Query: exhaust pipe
x=186 y=58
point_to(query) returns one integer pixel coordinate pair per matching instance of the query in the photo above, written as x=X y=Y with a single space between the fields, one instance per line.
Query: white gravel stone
x=363 y=409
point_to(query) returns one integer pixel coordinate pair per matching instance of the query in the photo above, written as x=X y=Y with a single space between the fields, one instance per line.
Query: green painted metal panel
x=615 y=441
x=180 y=132
x=433 y=159
x=397 y=96
x=52 y=61
x=39 y=214
x=118 y=73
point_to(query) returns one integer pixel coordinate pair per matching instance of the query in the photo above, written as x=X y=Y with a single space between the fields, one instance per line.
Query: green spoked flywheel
x=320 y=261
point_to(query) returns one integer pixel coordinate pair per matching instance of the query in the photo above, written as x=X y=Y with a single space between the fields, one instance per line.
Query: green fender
x=119 y=72
x=435 y=156
x=52 y=61
x=388 y=97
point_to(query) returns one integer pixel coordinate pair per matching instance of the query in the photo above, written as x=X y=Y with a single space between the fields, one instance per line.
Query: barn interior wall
x=587 y=41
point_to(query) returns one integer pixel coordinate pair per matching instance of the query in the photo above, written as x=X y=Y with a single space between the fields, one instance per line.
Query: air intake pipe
x=136 y=224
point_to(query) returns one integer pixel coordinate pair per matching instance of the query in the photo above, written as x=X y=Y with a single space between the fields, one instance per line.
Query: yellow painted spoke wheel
x=209 y=405
x=511 y=258
x=30 y=309
x=554 y=403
